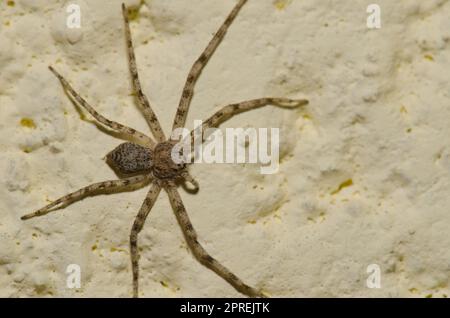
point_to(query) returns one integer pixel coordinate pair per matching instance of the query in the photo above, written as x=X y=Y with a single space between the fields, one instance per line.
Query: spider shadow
x=110 y=132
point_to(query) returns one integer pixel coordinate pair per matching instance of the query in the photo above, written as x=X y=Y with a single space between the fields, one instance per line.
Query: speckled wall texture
x=364 y=172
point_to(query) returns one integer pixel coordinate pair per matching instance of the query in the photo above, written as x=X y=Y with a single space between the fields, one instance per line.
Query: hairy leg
x=196 y=69
x=199 y=252
x=130 y=132
x=86 y=191
x=229 y=111
x=137 y=227
x=147 y=110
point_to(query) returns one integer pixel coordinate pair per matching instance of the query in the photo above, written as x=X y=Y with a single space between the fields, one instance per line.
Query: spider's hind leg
x=130 y=132
x=86 y=191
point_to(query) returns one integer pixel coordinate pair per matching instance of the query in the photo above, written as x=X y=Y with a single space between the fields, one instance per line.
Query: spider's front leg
x=130 y=132
x=199 y=252
x=137 y=227
x=200 y=63
x=86 y=191
x=230 y=110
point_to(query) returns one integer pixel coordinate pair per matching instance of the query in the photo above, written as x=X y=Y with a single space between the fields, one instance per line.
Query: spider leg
x=114 y=125
x=229 y=111
x=137 y=227
x=188 y=178
x=147 y=110
x=83 y=192
x=197 y=67
x=199 y=252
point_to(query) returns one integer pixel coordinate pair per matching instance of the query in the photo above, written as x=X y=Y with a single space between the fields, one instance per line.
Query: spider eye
x=130 y=158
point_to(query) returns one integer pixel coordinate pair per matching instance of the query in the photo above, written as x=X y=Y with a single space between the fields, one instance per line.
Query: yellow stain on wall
x=28 y=123
x=345 y=184
x=133 y=13
x=115 y=249
x=164 y=284
x=281 y=4
x=27 y=149
x=429 y=57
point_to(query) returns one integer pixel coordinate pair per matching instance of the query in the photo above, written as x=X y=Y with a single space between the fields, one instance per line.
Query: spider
x=148 y=160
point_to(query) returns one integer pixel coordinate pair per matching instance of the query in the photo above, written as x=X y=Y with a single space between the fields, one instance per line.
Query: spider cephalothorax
x=151 y=161
x=164 y=166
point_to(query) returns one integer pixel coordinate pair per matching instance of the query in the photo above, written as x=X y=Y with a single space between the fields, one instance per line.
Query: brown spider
x=148 y=161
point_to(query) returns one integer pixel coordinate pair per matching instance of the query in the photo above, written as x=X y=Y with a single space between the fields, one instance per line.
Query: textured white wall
x=364 y=174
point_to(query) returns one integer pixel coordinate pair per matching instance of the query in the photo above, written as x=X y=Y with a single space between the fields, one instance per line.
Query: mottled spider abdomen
x=130 y=158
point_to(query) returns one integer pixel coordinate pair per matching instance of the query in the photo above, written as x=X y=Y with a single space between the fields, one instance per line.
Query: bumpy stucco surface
x=365 y=168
